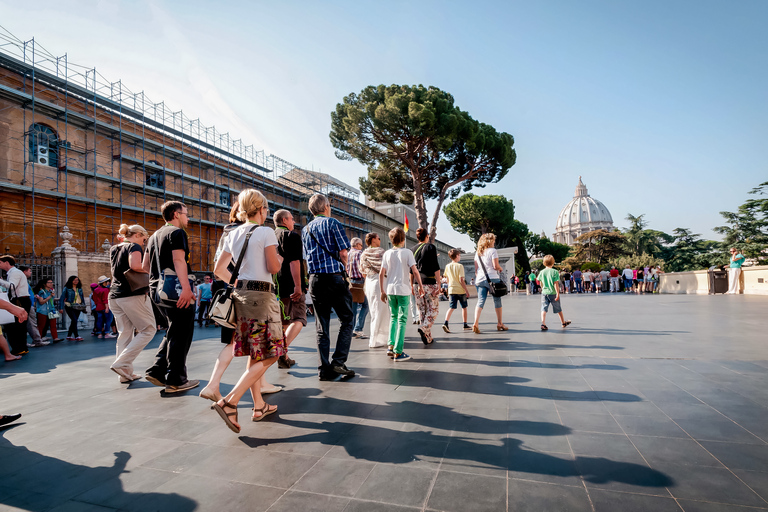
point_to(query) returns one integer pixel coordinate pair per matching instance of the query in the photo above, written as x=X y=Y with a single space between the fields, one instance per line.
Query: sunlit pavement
x=643 y=403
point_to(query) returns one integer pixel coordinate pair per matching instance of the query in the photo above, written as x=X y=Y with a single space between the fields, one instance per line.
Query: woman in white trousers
x=370 y=265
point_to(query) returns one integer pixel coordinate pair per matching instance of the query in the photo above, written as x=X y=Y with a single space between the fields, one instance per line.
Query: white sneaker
x=110 y=336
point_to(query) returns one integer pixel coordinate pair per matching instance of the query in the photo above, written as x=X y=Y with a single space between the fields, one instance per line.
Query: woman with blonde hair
x=487 y=270
x=259 y=329
x=129 y=300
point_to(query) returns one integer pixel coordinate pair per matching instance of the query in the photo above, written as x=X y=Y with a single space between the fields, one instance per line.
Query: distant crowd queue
x=629 y=280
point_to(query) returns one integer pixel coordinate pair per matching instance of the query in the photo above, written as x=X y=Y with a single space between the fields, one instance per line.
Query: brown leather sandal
x=226 y=415
x=265 y=411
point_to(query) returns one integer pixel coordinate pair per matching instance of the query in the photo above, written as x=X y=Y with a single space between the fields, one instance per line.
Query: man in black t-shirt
x=429 y=267
x=168 y=249
x=291 y=280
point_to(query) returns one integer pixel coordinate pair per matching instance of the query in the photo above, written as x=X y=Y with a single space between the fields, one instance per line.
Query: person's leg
x=42 y=322
x=432 y=308
x=132 y=313
x=464 y=308
x=497 y=307
x=97 y=325
x=54 y=329
x=451 y=307
x=321 y=301
x=247 y=379
x=181 y=327
x=401 y=306
x=414 y=308
x=482 y=295
x=73 y=316
x=394 y=312
x=342 y=305
x=7 y=350
x=362 y=315
x=32 y=328
x=159 y=369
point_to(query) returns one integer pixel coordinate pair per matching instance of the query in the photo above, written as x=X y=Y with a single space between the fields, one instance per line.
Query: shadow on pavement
x=32 y=481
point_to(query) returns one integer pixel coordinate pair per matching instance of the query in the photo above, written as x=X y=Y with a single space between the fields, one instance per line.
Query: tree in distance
x=599 y=246
x=475 y=215
x=690 y=252
x=417 y=145
x=747 y=228
x=541 y=245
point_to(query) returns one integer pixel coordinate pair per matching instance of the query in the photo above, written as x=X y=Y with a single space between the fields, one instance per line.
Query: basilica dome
x=581 y=215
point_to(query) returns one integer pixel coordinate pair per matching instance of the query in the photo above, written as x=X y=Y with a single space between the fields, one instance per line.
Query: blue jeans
x=483 y=289
x=627 y=284
x=360 y=312
x=578 y=285
x=103 y=322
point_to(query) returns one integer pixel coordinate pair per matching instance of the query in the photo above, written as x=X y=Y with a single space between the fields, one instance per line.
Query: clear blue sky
x=659 y=105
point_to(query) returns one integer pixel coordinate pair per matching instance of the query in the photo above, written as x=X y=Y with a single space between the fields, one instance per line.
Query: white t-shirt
x=627 y=273
x=487 y=257
x=18 y=279
x=398 y=262
x=587 y=276
x=254 y=267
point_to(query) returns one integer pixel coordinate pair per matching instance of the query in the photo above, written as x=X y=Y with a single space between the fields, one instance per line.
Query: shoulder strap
x=419 y=248
x=236 y=272
x=323 y=248
x=487 y=277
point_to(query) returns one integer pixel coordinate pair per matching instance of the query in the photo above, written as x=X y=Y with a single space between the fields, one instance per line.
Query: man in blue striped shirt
x=326 y=247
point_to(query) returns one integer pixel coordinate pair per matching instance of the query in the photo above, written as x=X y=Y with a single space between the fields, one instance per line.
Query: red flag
x=405 y=226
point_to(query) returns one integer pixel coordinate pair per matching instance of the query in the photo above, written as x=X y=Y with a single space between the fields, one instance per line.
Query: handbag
x=136 y=280
x=343 y=270
x=497 y=289
x=5 y=316
x=168 y=287
x=77 y=305
x=222 y=309
x=358 y=292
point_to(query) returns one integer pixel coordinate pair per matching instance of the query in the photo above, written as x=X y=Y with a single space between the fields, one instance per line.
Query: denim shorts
x=546 y=300
x=459 y=298
x=483 y=290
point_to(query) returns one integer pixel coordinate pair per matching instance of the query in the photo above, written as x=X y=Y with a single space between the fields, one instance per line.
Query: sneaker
x=79 y=338
x=467 y=327
x=360 y=336
x=446 y=329
x=100 y=336
x=390 y=352
x=58 y=340
x=329 y=376
x=401 y=357
x=110 y=335
x=190 y=384
x=70 y=338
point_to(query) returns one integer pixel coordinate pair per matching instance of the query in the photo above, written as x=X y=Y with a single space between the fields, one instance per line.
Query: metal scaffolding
x=119 y=155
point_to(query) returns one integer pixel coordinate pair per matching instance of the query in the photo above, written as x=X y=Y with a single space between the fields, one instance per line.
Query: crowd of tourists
x=269 y=275
x=628 y=280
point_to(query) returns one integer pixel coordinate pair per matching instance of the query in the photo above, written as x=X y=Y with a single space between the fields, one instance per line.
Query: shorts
x=295 y=311
x=546 y=300
x=460 y=298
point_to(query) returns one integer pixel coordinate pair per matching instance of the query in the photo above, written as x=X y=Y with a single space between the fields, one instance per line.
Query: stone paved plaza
x=655 y=403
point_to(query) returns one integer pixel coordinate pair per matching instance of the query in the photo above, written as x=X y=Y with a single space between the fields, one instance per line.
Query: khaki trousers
x=132 y=313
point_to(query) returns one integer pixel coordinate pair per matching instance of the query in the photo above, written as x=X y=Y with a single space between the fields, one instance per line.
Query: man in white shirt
x=18 y=292
x=628 y=275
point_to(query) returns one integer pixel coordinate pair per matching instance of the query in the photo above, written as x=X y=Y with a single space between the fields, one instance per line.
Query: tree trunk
x=435 y=216
x=419 y=203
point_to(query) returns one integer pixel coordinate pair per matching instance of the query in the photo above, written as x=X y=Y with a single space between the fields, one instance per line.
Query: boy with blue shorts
x=550 y=292
x=457 y=289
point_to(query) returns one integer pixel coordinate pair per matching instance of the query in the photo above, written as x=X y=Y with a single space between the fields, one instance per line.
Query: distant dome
x=581 y=215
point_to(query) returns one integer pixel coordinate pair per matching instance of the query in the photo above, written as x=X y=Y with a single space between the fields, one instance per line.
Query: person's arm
x=496 y=265
x=16 y=311
x=464 y=285
x=5 y=283
x=343 y=256
x=220 y=270
x=417 y=277
x=135 y=263
x=180 y=266
x=383 y=283
x=41 y=300
x=296 y=275
x=274 y=261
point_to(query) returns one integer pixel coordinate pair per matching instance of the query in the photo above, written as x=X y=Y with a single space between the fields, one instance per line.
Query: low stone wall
x=753 y=281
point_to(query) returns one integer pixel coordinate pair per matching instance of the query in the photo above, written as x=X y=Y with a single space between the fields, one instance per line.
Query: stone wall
x=753 y=281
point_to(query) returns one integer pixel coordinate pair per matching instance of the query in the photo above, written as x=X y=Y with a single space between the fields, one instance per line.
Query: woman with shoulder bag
x=259 y=328
x=129 y=300
x=47 y=314
x=72 y=301
x=487 y=271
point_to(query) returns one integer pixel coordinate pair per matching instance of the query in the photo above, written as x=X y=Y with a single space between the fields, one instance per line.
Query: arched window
x=43 y=145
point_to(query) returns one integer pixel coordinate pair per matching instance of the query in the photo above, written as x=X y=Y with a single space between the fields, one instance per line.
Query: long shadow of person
x=384 y=445
x=33 y=481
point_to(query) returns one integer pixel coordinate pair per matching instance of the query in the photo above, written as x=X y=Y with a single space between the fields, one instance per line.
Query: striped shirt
x=330 y=234
x=353 y=267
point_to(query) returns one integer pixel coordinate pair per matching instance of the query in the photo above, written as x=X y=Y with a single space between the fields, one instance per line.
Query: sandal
x=265 y=411
x=567 y=323
x=226 y=415
x=544 y=327
x=502 y=327
x=475 y=329
x=209 y=395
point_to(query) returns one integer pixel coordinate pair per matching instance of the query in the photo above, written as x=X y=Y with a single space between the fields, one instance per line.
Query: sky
x=659 y=105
